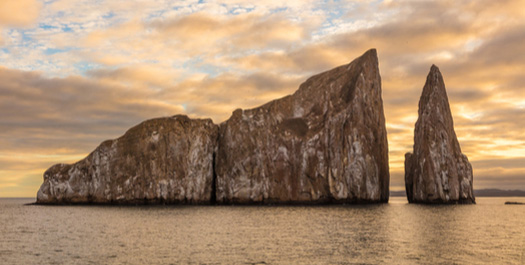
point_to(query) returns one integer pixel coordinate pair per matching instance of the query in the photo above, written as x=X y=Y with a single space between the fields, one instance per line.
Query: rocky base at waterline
x=437 y=171
x=326 y=143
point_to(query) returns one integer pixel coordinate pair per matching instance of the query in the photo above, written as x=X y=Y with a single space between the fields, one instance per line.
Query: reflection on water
x=489 y=232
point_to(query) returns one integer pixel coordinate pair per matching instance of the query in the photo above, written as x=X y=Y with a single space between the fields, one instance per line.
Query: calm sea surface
x=395 y=233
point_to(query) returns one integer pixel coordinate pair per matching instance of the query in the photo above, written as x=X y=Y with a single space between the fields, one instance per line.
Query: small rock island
x=326 y=143
x=515 y=203
x=437 y=171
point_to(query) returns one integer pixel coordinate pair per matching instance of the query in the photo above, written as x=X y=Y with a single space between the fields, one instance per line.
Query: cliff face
x=166 y=160
x=325 y=143
x=437 y=171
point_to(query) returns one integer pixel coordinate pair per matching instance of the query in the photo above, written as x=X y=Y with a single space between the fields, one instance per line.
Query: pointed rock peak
x=434 y=77
x=341 y=81
x=368 y=56
x=372 y=54
x=434 y=88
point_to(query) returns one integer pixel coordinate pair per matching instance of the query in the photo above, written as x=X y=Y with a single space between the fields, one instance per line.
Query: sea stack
x=437 y=172
x=326 y=143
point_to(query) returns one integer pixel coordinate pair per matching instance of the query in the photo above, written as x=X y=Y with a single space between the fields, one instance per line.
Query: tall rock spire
x=437 y=171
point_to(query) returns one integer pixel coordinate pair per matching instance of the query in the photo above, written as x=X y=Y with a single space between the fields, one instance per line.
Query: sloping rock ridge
x=326 y=143
x=437 y=171
x=165 y=160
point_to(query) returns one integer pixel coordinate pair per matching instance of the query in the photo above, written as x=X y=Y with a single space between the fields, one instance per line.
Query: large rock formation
x=325 y=143
x=437 y=171
x=165 y=160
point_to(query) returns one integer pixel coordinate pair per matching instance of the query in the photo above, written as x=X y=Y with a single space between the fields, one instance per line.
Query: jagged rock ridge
x=325 y=143
x=437 y=171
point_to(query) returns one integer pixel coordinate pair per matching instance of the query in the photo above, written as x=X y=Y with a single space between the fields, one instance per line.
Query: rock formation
x=165 y=160
x=437 y=171
x=325 y=143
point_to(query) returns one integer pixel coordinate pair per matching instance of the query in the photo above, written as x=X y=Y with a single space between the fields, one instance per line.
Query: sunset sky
x=76 y=72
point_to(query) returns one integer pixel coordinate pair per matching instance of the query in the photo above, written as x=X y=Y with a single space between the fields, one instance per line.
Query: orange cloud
x=222 y=33
x=19 y=13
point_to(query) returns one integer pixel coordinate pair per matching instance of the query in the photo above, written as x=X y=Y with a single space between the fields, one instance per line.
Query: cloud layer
x=75 y=73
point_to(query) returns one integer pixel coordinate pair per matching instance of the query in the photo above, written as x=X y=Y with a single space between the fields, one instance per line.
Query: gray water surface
x=394 y=233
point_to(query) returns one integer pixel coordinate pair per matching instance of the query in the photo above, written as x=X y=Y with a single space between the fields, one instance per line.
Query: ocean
x=394 y=233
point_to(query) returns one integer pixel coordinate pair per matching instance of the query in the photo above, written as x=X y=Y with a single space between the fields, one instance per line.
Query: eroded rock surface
x=325 y=143
x=160 y=160
x=437 y=171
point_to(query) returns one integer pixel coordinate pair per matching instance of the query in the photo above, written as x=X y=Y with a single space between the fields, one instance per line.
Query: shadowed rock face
x=437 y=171
x=325 y=143
x=160 y=160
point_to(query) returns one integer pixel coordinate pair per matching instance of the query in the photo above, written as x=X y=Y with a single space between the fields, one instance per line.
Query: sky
x=74 y=73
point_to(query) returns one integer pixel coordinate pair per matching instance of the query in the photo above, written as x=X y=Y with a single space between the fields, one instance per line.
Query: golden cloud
x=19 y=13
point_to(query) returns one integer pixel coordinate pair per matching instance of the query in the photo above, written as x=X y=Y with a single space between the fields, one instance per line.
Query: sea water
x=394 y=233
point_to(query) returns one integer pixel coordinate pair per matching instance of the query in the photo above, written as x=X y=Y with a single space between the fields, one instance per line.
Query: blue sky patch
x=51 y=51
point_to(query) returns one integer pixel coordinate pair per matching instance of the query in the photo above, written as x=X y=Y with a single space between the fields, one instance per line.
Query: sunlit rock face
x=437 y=171
x=325 y=143
x=165 y=160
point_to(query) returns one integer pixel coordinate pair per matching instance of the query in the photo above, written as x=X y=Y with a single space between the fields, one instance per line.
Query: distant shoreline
x=478 y=193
